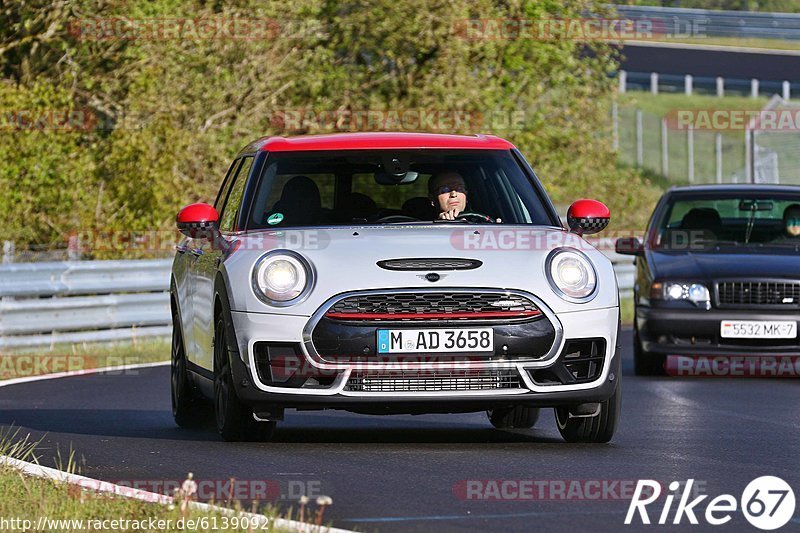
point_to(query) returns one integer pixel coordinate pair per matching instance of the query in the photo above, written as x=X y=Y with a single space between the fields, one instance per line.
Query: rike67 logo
x=767 y=503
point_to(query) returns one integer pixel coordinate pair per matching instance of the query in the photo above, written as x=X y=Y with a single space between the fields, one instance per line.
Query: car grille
x=433 y=306
x=755 y=293
x=454 y=380
x=430 y=264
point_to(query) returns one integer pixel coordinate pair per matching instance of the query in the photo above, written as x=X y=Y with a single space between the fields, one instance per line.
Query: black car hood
x=756 y=263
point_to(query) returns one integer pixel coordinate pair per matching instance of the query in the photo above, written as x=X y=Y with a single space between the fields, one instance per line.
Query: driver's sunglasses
x=793 y=221
x=446 y=189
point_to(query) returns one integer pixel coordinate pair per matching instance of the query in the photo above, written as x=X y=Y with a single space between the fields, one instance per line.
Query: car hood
x=345 y=259
x=758 y=263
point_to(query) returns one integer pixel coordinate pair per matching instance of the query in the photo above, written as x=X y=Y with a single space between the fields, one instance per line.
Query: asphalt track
x=409 y=472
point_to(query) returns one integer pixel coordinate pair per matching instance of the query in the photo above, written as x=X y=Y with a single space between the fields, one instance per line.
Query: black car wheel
x=235 y=420
x=188 y=408
x=598 y=428
x=519 y=417
x=646 y=363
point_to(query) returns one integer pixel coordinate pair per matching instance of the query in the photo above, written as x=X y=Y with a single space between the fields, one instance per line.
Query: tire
x=518 y=417
x=188 y=408
x=595 y=429
x=235 y=420
x=646 y=363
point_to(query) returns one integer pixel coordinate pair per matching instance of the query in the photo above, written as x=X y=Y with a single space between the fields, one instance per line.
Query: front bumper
x=693 y=331
x=531 y=388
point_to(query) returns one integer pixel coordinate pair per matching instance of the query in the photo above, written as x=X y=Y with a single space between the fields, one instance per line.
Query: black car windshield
x=741 y=220
x=394 y=187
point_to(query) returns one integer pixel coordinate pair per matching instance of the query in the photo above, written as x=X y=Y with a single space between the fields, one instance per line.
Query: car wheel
x=188 y=409
x=598 y=428
x=235 y=420
x=646 y=363
x=519 y=417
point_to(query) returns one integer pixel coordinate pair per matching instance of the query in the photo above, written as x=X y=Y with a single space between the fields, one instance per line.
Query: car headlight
x=281 y=277
x=679 y=290
x=571 y=274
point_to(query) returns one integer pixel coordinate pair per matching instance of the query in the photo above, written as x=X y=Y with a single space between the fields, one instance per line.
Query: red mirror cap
x=197 y=217
x=588 y=216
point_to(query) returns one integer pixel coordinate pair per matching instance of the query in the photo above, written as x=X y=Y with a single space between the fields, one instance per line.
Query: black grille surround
x=433 y=381
x=517 y=336
x=761 y=294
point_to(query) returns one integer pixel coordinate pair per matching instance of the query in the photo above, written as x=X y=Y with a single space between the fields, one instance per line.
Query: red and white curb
x=97 y=485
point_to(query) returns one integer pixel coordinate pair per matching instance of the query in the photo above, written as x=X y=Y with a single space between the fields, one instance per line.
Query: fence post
x=639 y=139
x=8 y=252
x=748 y=155
x=718 y=149
x=73 y=250
x=754 y=88
x=654 y=82
x=720 y=86
x=623 y=81
x=664 y=149
x=688 y=84
x=690 y=152
x=615 y=126
x=787 y=90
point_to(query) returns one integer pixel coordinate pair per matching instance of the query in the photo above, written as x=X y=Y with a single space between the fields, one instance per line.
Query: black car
x=718 y=274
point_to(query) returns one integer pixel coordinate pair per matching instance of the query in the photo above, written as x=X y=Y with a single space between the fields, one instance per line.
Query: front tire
x=518 y=417
x=646 y=363
x=597 y=429
x=235 y=420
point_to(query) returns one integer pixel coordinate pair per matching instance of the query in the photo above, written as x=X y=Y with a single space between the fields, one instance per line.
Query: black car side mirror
x=629 y=246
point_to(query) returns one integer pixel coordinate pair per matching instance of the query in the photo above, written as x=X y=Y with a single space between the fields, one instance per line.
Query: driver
x=791 y=223
x=448 y=193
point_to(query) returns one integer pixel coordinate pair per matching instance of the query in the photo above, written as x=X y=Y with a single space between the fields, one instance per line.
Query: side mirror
x=629 y=246
x=586 y=217
x=198 y=221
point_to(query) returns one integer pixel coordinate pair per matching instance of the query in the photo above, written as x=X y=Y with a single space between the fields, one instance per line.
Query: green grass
x=772 y=44
x=75 y=357
x=626 y=311
x=654 y=108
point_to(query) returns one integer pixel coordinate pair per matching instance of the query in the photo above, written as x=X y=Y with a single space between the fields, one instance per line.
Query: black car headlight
x=571 y=275
x=282 y=277
x=696 y=293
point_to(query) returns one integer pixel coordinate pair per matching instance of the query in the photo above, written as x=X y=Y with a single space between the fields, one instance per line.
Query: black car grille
x=759 y=293
x=433 y=306
x=424 y=381
x=444 y=263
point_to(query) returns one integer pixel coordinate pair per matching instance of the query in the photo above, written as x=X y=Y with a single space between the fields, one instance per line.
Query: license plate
x=758 y=329
x=435 y=340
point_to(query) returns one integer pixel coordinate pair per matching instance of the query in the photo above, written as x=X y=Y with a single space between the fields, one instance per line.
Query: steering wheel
x=398 y=218
x=474 y=216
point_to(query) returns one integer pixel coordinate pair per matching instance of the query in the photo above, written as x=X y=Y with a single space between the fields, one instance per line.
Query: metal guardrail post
x=720 y=86
x=654 y=82
x=688 y=84
x=787 y=90
x=754 y=88
x=623 y=81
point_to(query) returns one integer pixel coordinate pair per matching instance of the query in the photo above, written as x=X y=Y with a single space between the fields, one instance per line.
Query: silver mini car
x=387 y=273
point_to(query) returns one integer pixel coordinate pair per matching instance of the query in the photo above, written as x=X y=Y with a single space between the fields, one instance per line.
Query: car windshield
x=699 y=222
x=394 y=187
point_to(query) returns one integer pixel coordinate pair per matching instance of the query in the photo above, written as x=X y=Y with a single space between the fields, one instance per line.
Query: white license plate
x=758 y=329
x=435 y=340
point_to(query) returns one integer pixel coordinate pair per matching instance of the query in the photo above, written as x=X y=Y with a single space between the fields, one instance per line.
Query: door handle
x=197 y=252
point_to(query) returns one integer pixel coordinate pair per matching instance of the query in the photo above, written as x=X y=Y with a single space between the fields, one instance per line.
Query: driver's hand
x=449 y=215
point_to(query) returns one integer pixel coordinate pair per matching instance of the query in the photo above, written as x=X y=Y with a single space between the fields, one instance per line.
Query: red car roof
x=379 y=141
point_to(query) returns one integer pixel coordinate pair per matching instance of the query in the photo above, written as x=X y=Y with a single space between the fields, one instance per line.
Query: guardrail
x=83 y=301
x=748 y=24
x=95 y=301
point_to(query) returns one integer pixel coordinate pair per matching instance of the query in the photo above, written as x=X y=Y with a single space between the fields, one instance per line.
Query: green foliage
x=171 y=112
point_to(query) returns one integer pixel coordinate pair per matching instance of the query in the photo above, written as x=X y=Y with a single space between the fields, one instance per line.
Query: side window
x=226 y=185
x=230 y=210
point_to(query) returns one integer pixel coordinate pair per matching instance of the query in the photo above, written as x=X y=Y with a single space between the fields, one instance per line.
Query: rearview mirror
x=383 y=178
x=629 y=246
x=586 y=217
x=198 y=221
x=755 y=205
